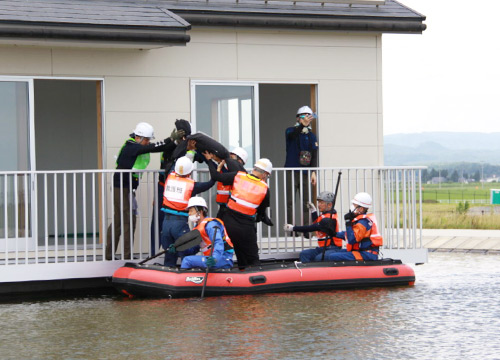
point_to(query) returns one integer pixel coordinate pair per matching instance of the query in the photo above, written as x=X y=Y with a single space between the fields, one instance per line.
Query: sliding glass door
x=15 y=150
x=228 y=113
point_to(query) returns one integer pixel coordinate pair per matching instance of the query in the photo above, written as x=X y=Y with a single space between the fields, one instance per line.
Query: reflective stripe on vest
x=206 y=243
x=375 y=238
x=223 y=192
x=324 y=236
x=177 y=192
x=247 y=193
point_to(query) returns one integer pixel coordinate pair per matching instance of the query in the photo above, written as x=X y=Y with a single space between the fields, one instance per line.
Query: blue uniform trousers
x=198 y=261
x=343 y=255
x=309 y=255
x=174 y=226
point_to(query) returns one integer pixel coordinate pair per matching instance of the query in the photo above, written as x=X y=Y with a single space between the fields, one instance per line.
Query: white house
x=76 y=76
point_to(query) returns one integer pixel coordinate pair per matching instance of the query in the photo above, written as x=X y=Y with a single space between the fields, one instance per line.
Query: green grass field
x=441 y=206
x=454 y=192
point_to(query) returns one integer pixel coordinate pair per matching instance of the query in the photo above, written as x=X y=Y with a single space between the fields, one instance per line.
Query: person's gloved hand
x=210 y=261
x=288 y=227
x=311 y=207
x=348 y=218
x=177 y=135
x=171 y=249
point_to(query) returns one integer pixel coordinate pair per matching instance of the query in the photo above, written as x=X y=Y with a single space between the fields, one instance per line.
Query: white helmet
x=197 y=201
x=264 y=164
x=145 y=130
x=183 y=166
x=362 y=199
x=305 y=110
x=241 y=153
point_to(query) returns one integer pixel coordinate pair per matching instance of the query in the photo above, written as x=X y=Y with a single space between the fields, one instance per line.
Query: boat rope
x=297 y=266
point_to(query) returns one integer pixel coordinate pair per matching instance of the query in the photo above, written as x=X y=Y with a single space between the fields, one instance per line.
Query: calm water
x=452 y=312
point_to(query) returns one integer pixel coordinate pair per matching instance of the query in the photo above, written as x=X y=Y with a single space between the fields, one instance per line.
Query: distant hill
x=441 y=147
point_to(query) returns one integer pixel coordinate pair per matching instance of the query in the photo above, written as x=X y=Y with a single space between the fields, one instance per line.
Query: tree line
x=456 y=172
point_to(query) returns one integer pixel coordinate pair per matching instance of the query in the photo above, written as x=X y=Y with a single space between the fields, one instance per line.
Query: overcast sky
x=448 y=78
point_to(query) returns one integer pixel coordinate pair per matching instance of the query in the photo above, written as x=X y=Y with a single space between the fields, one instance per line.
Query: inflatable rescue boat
x=275 y=276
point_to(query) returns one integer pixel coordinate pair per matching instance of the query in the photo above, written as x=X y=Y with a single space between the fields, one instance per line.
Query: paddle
x=333 y=207
x=186 y=241
x=211 y=253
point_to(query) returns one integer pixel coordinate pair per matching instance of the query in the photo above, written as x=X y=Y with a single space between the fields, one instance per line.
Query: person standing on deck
x=301 y=152
x=134 y=154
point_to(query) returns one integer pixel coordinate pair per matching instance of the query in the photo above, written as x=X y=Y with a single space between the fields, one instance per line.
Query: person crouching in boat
x=362 y=233
x=179 y=188
x=222 y=255
x=324 y=223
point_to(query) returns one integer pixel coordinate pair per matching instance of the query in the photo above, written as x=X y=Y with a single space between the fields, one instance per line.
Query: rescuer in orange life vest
x=246 y=205
x=221 y=257
x=234 y=163
x=324 y=224
x=179 y=188
x=362 y=233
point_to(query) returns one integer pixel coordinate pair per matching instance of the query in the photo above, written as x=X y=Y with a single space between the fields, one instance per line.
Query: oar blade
x=188 y=240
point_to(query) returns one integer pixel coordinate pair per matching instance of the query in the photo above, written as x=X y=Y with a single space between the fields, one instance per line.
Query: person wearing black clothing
x=244 y=209
x=301 y=152
x=134 y=154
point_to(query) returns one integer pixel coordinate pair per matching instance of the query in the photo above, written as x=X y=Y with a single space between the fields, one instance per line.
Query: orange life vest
x=247 y=193
x=177 y=191
x=206 y=243
x=223 y=192
x=322 y=237
x=375 y=237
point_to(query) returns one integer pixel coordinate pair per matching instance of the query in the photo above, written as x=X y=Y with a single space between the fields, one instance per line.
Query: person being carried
x=213 y=234
x=362 y=233
x=134 y=154
x=325 y=225
x=247 y=205
x=179 y=188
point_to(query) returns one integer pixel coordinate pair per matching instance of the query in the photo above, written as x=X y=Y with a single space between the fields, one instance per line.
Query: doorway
x=55 y=124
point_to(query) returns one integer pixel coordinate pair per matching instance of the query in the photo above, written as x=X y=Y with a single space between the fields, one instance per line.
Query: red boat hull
x=159 y=281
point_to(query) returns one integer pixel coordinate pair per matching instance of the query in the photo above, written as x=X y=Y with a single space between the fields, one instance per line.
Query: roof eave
x=133 y=37
x=370 y=24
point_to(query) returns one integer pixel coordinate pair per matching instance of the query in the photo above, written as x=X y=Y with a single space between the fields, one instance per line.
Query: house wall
x=154 y=85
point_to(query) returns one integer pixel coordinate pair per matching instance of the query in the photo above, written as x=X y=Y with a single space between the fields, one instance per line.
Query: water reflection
x=451 y=313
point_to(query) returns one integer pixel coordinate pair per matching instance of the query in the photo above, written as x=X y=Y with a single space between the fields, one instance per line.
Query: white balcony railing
x=52 y=217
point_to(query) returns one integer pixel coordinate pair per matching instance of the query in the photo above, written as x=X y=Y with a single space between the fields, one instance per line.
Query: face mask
x=194 y=218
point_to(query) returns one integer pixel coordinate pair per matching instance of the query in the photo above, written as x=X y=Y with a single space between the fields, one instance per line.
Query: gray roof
x=89 y=12
x=91 y=21
x=165 y=22
x=389 y=17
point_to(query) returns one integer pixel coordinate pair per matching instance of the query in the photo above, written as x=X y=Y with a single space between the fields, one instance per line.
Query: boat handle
x=391 y=271
x=259 y=279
